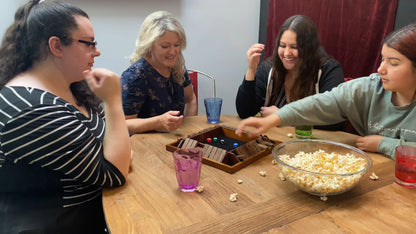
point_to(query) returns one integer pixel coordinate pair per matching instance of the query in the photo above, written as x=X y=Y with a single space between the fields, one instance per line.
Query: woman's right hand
x=260 y=125
x=268 y=110
x=104 y=83
x=253 y=59
x=171 y=120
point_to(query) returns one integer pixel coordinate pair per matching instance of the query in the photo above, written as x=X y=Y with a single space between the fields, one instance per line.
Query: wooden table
x=151 y=201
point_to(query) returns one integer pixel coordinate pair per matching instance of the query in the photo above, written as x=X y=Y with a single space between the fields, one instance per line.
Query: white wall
x=219 y=32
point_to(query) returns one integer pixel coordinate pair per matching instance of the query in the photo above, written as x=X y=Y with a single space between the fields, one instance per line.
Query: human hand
x=261 y=125
x=253 y=57
x=104 y=83
x=171 y=120
x=368 y=143
x=267 y=110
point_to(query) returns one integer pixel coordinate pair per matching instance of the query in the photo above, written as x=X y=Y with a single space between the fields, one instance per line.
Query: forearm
x=191 y=108
x=319 y=109
x=117 y=149
x=250 y=74
x=138 y=125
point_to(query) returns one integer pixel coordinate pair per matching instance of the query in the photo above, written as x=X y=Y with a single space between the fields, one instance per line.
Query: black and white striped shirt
x=52 y=167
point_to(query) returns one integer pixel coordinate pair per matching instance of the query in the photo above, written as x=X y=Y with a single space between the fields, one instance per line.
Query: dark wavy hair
x=311 y=57
x=26 y=41
x=404 y=41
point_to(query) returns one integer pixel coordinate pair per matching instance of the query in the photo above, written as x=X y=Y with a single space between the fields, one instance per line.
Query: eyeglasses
x=91 y=44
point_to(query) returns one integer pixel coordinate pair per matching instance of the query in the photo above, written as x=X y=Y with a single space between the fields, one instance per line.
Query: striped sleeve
x=52 y=137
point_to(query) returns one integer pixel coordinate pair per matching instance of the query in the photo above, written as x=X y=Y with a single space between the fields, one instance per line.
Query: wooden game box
x=225 y=156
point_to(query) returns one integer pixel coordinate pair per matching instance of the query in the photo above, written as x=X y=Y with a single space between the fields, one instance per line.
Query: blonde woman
x=156 y=89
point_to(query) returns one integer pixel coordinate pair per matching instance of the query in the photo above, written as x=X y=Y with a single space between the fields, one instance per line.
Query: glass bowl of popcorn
x=321 y=167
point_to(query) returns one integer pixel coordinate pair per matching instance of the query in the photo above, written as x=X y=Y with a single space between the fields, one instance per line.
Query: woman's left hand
x=368 y=143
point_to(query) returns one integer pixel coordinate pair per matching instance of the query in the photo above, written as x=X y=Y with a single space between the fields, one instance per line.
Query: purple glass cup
x=188 y=168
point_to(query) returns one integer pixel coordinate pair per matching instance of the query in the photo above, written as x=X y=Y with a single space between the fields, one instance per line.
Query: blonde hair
x=154 y=26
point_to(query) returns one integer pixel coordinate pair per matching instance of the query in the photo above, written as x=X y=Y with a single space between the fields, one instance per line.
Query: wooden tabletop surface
x=151 y=201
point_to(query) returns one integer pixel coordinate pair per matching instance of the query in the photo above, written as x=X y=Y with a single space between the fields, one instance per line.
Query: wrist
x=250 y=75
x=276 y=118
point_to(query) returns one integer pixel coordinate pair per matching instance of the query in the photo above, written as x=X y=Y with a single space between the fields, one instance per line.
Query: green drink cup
x=303 y=131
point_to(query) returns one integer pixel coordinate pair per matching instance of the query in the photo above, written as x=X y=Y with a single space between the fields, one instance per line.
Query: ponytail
x=14 y=54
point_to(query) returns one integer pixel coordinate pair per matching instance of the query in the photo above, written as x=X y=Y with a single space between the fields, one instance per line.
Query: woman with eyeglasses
x=299 y=67
x=156 y=90
x=381 y=107
x=56 y=151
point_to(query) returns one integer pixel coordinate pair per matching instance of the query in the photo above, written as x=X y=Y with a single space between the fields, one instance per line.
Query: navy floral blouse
x=146 y=93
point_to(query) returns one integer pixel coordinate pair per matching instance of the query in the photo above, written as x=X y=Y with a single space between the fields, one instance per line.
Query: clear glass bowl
x=336 y=170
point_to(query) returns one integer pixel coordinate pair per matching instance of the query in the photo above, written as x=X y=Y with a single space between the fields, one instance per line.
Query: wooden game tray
x=229 y=163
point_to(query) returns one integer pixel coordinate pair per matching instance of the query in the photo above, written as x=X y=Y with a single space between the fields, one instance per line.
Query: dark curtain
x=350 y=30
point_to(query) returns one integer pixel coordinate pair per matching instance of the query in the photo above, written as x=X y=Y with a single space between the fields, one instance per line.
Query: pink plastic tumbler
x=188 y=168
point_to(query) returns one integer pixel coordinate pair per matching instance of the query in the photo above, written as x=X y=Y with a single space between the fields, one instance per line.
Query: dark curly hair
x=311 y=57
x=26 y=41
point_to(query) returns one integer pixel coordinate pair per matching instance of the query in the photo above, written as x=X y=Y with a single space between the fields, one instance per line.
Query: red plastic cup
x=405 y=170
x=188 y=168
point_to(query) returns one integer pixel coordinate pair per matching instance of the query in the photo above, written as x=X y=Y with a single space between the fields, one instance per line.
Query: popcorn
x=324 y=198
x=240 y=181
x=233 y=197
x=374 y=176
x=274 y=162
x=290 y=135
x=282 y=177
x=322 y=162
x=200 y=188
x=263 y=173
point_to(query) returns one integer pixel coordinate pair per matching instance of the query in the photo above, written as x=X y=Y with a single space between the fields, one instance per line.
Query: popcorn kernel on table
x=274 y=162
x=374 y=176
x=200 y=189
x=240 y=181
x=263 y=173
x=233 y=197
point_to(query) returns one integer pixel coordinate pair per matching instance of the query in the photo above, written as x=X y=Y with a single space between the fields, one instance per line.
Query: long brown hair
x=311 y=57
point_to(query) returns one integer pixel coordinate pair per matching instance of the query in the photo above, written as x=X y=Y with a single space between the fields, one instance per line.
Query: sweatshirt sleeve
x=388 y=146
x=318 y=109
x=349 y=100
x=332 y=76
